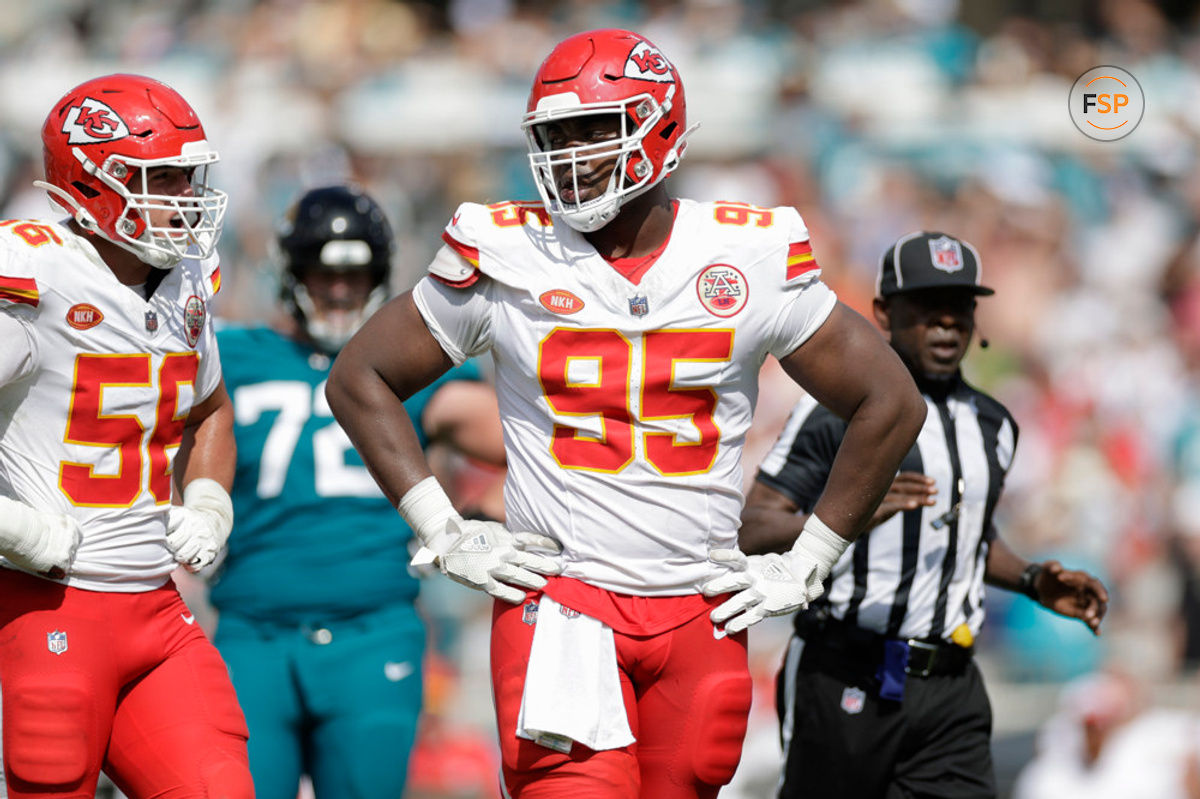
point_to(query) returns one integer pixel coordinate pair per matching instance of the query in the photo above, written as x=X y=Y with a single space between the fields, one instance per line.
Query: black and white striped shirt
x=920 y=573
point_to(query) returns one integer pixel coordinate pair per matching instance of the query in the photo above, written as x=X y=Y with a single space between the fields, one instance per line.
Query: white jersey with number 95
x=625 y=405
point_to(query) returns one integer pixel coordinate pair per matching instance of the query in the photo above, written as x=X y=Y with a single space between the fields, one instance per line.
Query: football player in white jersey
x=628 y=329
x=111 y=403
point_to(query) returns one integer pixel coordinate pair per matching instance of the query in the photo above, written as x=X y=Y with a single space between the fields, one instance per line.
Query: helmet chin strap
x=84 y=218
x=589 y=220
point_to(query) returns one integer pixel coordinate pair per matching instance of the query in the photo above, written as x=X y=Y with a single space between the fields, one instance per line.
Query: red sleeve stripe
x=19 y=289
x=466 y=282
x=800 y=259
x=215 y=279
x=470 y=254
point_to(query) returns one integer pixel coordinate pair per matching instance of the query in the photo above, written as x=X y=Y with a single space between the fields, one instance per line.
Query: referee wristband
x=1027 y=584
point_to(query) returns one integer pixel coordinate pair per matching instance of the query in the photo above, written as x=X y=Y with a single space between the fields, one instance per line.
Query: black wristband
x=1027 y=584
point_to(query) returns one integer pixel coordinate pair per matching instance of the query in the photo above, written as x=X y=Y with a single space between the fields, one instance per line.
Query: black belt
x=830 y=639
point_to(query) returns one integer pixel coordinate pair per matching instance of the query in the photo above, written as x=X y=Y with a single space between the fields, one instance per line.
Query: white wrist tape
x=426 y=508
x=205 y=494
x=819 y=542
x=20 y=528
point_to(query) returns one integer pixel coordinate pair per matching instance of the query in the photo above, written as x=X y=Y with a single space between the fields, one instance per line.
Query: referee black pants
x=843 y=742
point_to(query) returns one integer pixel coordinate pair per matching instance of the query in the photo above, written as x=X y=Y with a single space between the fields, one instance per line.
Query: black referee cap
x=929 y=260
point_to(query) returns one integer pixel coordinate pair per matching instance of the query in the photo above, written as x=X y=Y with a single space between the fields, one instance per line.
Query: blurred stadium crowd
x=873 y=118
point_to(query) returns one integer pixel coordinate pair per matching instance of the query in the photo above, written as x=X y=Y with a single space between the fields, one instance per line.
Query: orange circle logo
x=1106 y=103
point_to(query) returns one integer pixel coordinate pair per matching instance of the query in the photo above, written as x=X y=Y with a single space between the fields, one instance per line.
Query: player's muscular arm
x=393 y=356
x=850 y=369
x=769 y=522
x=208 y=448
x=464 y=415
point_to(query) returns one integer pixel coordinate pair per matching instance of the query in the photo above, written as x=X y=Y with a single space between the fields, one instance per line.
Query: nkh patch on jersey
x=83 y=316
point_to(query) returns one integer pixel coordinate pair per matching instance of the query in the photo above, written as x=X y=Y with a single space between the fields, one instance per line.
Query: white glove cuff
x=819 y=542
x=209 y=496
x=19 y=528
x=426 y=508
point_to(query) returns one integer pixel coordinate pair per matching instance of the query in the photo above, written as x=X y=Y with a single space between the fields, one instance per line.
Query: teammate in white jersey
x=111 y=400
x=628 y=330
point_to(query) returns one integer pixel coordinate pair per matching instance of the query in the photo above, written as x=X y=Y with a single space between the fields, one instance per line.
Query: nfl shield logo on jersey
x=529 y=613
x=193 y=319
x=639 y=306
x=946 y=254
x=151 y=321
x=853 y=700
x=56 y=642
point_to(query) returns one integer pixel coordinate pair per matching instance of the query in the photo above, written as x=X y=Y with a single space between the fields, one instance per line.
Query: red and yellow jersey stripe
x=215 y=280
x=467 y=253
x=800 y=259
x=18 y=290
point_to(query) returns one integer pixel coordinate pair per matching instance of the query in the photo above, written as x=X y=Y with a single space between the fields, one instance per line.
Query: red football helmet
x=99 y=143
x=606 y=72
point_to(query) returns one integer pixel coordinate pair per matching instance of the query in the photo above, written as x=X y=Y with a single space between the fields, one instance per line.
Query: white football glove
x=38 y=541
x=485 y=556
x=777 y=584
x=197 y=529
x=488 y=557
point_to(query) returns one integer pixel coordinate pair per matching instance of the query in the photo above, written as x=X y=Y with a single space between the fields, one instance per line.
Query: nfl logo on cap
x=946 y=254
x=927 y=260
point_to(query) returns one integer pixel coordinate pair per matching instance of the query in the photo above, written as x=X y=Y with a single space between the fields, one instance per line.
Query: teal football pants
x=337 y=700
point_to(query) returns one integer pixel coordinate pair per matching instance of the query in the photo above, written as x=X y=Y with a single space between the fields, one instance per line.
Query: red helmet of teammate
x=606 y=72
x=99 y=143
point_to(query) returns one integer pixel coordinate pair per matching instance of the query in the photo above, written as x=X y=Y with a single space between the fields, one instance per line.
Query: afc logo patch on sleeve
x=722 y=290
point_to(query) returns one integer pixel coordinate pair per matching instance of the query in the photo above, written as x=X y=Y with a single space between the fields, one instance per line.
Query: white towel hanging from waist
x=572 y=690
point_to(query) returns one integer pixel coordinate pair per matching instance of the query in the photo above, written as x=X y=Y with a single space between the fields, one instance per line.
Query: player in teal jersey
x=317 y=621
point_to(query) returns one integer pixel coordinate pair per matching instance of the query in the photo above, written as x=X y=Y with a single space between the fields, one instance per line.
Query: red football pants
x=687 y=695
x=123 y=681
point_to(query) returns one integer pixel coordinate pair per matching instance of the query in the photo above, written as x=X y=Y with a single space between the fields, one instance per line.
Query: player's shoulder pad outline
x=472 y=222
x=21 y=242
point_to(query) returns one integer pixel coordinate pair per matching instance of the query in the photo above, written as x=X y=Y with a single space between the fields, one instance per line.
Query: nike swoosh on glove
x=489 y=557
x=197 y=529
x=777 y=585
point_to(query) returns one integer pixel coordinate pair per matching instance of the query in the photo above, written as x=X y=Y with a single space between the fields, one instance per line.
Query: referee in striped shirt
x=879 y=695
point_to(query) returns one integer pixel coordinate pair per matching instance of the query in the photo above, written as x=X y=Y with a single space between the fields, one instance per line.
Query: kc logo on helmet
x=646 y=63
x=93 y=122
